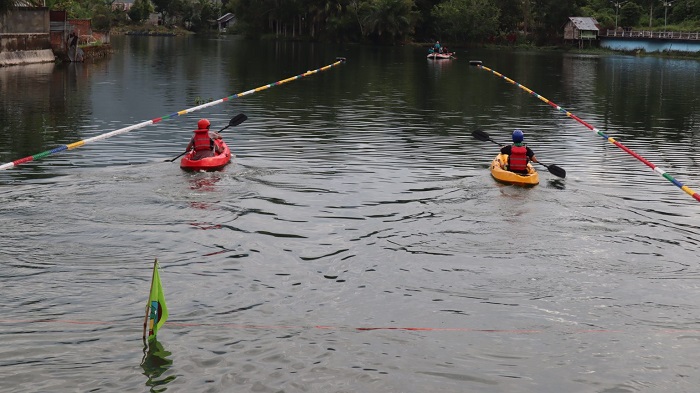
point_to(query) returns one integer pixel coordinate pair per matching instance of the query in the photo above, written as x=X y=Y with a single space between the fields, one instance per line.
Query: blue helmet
x=518 y=136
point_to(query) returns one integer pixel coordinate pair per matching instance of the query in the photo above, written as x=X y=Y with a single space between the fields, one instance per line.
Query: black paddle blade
x=554 y=170
x=481 y=135
x=557 y=171
x=475 y=62
x=238 y=119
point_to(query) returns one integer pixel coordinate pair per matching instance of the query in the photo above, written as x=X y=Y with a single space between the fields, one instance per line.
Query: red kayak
x=208 y=163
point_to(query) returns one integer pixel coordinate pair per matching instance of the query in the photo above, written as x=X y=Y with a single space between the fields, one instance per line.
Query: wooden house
x=225 y=21
x=581 y=29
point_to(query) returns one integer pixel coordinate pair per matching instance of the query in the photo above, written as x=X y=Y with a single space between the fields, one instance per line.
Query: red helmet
x=202 y=124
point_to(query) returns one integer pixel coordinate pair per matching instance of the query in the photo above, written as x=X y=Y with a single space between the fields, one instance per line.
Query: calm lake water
x=357 y=243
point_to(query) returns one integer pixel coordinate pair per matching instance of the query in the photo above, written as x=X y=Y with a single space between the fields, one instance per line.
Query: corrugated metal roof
x=226 y=17
x=583 y=23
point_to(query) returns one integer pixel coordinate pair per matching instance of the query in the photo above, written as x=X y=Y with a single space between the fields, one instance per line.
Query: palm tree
x=319 y=11
x=395 y=18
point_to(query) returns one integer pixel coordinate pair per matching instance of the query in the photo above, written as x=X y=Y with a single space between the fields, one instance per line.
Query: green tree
x=78 y=10
x=650 y=4
x=426 y=26
x=201 y=15
x=166 y=8
x=684 y=10
x=251 y=15
x=101 y=17
x=550 y=16
x=602 y=10
x=510 y=14
x=346 y=24
x=630 y=14
x=140 y=10
x=467 y=20
x=390 y=20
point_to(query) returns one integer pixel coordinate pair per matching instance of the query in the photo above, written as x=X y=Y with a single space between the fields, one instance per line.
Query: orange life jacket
x=202 y=142
x=517 y=161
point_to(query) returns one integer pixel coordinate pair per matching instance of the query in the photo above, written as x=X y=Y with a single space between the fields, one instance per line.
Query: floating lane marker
x=36 y=157
x=656 y=169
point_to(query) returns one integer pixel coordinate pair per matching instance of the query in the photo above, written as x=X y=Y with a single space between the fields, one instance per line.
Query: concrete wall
x=650 y=45
x=26 y=41
x=24 y=37
x=26 y=57
x=25 y=20
x=25 y=29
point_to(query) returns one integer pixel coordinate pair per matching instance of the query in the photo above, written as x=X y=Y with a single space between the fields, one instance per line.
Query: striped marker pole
x=36 y=157
x=656 y=169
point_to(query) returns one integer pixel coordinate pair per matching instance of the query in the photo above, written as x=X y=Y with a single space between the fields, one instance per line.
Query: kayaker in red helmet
x=518 y=154
x=203 y=141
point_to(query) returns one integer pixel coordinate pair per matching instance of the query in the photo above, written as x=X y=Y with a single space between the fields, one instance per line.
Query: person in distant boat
x=203 y=141
x=518 y=154
x=74 y=52
x=437 y=48
x=72 y=40
x=72 y=44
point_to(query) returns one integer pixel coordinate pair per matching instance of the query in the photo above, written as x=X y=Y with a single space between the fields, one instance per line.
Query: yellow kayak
x=500 y=173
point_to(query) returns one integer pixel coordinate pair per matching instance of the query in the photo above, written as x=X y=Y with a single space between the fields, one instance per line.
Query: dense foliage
x=391 y=21
x=460 y=21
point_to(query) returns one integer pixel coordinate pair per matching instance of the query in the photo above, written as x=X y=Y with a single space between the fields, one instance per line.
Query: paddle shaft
x=35 y=157
x=553 y=169
x=544 y=165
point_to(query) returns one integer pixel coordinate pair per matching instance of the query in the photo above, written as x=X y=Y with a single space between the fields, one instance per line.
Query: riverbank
x=600 y=51
x=639 y=52
x=149 y=30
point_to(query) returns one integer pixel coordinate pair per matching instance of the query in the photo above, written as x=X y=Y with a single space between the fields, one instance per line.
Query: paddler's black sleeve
x=529 y=153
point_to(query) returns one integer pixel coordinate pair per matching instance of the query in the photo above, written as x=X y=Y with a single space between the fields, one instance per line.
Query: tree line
x=461 y=21
x=391 y=21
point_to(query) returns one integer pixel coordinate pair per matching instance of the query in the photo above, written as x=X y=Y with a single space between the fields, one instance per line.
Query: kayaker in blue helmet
x=203 y=141
x=518 y=154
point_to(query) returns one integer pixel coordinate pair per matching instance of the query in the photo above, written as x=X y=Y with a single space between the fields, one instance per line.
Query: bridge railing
x=668 y=35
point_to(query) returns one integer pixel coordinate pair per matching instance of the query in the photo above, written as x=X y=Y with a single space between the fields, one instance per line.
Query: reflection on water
x=202 y=183
x=556 y=183
x=155 y=362
x=205 y=181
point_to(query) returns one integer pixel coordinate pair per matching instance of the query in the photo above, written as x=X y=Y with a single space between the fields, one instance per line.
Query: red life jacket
x=202 y=142
x=517 y=161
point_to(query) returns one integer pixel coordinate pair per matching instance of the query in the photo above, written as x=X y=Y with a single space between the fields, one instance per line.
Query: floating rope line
x=656 y=169
x=74 y=145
